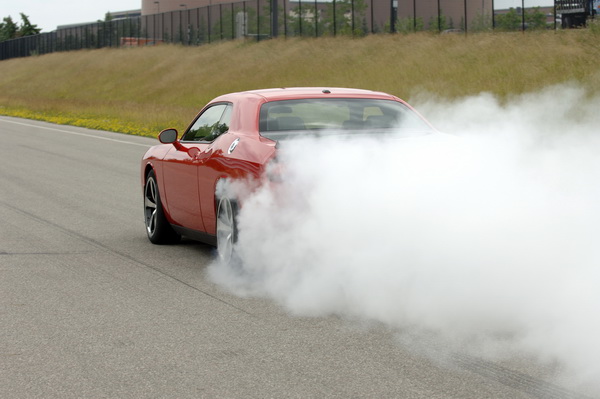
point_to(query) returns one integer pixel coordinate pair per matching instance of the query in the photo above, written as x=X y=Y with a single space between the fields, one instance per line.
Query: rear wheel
x=226 y=230
x=157 y=226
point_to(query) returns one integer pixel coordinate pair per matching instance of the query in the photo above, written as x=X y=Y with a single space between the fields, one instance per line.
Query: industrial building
x=377 y=12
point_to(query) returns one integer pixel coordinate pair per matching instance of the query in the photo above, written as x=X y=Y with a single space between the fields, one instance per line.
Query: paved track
x=89 y=308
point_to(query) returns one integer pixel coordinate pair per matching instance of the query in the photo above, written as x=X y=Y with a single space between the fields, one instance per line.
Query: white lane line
x=75 y=133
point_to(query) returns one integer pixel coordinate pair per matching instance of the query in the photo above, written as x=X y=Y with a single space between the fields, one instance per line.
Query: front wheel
x=157 y=226
x=226 y=230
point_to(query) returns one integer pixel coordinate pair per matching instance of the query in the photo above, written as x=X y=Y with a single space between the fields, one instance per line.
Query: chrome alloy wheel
x=226 y=230
x=150 y=207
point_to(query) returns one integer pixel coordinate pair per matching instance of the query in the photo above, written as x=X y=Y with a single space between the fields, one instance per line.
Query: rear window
x=281 y=119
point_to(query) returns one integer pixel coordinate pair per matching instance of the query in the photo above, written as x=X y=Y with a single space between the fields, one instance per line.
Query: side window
x=213 y=122
x=225 y=120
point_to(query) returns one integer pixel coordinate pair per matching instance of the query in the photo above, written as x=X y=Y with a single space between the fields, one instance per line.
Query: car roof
x=289 y=93
x=246 y=118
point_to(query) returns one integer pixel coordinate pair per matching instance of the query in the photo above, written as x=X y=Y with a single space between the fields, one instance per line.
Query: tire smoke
x=486 y=240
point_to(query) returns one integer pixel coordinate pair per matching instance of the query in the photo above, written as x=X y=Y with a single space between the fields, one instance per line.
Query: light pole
x=157 y=6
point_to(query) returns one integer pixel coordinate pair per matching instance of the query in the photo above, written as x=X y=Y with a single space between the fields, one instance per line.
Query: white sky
x=48 y=14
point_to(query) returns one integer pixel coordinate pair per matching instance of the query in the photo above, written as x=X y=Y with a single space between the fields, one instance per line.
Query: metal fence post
x=316 y=20
x=300 y=16
x=352 y=12
x=523 y=15
x=334 y=20
x=466 y=23
x=285 y=29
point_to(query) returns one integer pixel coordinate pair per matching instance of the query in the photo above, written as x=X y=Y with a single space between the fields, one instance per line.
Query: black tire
x=227 y=230
x=157 y=226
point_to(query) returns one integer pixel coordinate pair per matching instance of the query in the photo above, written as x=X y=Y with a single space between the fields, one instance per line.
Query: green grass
x=143 y=90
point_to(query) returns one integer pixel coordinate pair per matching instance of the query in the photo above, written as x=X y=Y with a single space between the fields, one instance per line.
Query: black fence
x=247 y=19
x=252 y=20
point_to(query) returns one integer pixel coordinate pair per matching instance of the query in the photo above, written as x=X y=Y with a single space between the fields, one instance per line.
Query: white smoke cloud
x=488 y=241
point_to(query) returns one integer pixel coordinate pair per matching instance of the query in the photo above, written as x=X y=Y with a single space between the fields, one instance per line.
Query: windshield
x=286 y=118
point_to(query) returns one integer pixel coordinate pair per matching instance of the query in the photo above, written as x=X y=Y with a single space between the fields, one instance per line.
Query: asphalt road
x=89 y=308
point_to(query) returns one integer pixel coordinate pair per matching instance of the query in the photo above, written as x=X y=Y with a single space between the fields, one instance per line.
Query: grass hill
x=143 y=90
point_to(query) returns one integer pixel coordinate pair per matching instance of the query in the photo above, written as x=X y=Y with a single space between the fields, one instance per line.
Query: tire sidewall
x=163 y=232
x=233 y=258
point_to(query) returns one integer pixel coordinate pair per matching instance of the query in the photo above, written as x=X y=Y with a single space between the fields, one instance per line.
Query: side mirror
x=168 y=136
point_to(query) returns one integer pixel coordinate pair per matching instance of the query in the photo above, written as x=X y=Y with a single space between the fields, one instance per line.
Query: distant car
x=234 y=137
x=450 y=31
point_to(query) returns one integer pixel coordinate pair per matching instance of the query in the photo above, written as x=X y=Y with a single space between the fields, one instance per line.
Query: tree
x=509 y=21
x=8 y=29
x=409 y=25
x=346 y=16
x=536 y=19
x=27 y=28
x=481 y=23
x=438 y=23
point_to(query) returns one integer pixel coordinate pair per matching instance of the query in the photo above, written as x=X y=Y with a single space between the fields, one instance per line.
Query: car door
x=180 y=168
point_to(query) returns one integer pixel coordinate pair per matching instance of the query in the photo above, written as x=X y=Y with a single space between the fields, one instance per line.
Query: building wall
x=150 y=7
x=451 y=9
x=425 y=9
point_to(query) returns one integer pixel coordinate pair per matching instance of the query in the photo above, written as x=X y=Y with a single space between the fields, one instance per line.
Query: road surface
x=89 y=308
